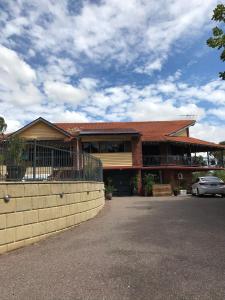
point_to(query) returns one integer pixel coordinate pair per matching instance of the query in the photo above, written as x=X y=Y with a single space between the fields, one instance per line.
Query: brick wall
x=137 y=151
x=38 y=210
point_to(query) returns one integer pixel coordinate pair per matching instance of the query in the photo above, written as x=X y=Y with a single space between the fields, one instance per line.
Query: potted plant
x=148 y=184
x=134 y=185
x=183 y=187
x=175 y=191
x=109 y=189
x=15 y=165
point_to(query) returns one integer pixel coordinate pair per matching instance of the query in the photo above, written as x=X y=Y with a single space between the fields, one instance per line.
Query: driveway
x=136 y=248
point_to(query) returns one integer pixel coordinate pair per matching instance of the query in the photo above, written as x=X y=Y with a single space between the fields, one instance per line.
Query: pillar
x=137 y=151
x=139 y=182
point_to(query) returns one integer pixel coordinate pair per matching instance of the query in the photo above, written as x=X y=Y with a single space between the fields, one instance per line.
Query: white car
x=208 y=185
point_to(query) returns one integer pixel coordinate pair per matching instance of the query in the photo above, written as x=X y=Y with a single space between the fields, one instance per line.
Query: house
x=129 y=150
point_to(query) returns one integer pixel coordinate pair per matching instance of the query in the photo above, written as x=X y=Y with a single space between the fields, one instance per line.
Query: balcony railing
x=179 y=160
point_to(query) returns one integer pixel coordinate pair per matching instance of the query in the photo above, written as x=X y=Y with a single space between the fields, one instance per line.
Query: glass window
x=115 y=147
x=95 y=147
x=103 y=147
x=87 y=147
x=127 y=146
x=107 y=147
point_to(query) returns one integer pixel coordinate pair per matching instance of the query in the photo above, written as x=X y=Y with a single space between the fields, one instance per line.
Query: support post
x=139 y=182
x=160 y=177
x=208 y=158
x=34 y=160
x=222 y=160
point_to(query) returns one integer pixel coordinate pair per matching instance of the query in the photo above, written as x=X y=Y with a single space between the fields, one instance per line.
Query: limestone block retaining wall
x=38 y=210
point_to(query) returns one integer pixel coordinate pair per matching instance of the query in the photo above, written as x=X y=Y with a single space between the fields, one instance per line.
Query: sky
x=112 y=60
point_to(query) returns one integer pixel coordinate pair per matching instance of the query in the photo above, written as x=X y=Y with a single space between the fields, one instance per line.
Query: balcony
x=179 y=160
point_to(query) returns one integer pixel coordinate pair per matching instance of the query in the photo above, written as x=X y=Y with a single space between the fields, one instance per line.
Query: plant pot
x=175 y=193
x=183 y=192
x=108 y=196
x=15 y=173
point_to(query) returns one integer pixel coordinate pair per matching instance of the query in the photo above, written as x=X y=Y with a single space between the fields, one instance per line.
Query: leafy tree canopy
x=218 y=38
x=3 y=125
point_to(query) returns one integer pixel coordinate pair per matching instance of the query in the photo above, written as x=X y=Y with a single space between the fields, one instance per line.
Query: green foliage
x=1 y=159
x=199 y=160
x=15 y=150
x=195 y=175
x=219 y=13
x=182 y=184
x=3 y=125
x=109 y=188
x=217 y=154
x=148 y=183
x=135 y=183
x=218 y=38
x=220 y=174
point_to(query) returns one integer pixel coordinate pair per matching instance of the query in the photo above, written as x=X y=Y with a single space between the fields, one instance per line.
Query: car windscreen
x=211 y=179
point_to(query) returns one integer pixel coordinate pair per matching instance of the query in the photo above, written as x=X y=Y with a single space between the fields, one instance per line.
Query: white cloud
x=218 y=112
x=47 y=76
x=64 y=93
x=149 y=68
x=109 y=31
x=164 y=110
x=210 y=132
x=71 y=116
x=17 y=79
x=14 y=68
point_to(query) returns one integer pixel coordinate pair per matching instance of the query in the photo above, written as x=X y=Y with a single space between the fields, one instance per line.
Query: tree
x=218 y=38
x=218 y=154
x=3 y=125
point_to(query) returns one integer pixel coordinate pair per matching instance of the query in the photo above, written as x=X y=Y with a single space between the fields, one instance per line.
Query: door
x=121 y=180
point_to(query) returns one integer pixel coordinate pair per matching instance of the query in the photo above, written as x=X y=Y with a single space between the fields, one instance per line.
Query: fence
x=159 y=160
x=32 y=161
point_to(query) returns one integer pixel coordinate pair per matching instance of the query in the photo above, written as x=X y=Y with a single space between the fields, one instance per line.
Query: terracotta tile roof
x=193 y=141
x=153 y=129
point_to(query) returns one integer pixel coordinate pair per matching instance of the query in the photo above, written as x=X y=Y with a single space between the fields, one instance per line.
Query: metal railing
x=33 y=161
x=179 y=160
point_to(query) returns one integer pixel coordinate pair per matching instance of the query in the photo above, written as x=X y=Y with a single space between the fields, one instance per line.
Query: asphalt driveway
x=136 y=248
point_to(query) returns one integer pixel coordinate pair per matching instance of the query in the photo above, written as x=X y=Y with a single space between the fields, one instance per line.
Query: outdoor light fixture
x=7 y=198
x=61 y=195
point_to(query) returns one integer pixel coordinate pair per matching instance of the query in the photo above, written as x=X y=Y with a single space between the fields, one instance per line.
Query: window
x=127 y=146
x=107 y=147
x=92 y=147
x=95 y=147
x=86 y=147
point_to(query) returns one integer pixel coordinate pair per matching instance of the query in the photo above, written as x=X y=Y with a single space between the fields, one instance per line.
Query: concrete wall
x=38 y=210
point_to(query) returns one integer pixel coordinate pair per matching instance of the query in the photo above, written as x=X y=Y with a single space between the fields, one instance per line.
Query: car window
x=210 y=179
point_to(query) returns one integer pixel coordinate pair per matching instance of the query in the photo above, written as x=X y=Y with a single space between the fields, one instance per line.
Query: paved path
x=137 y=248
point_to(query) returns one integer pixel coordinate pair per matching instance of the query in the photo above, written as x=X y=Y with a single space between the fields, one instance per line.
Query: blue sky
x=78 y=61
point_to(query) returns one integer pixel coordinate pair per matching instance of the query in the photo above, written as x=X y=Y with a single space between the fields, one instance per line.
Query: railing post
x=35 y=160
x=208 y=162
x=101 y=171
x=222 y=160
x=52 y=160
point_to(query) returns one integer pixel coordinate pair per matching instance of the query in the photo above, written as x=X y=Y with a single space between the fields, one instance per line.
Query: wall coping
x=47 y=182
